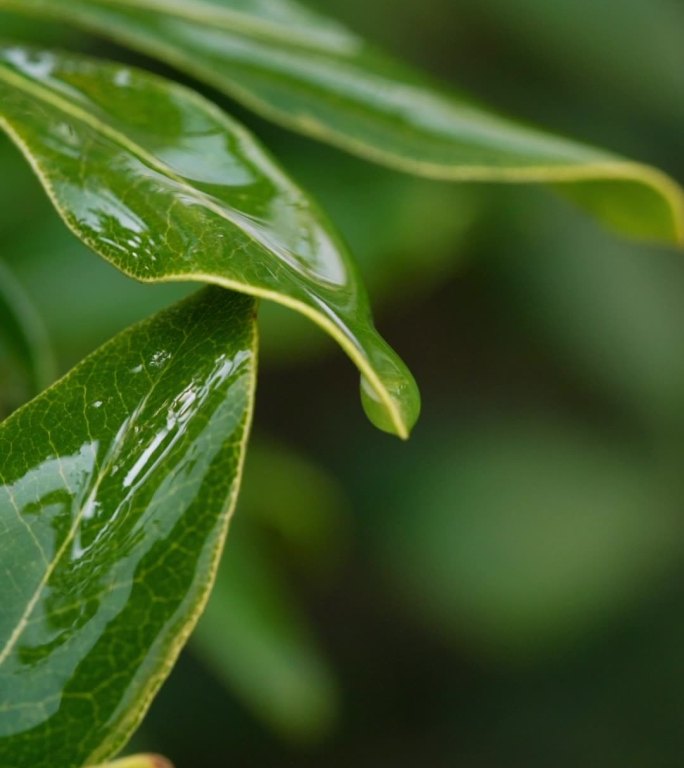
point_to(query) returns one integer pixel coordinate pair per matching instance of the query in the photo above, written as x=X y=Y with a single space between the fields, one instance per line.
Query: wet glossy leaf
x=314 y=75
x=139 y=761
x=117 y=487
x=167 y=188
x=533 y=532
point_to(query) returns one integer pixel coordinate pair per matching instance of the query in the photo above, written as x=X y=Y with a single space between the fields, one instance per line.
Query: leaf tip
x=393 y=407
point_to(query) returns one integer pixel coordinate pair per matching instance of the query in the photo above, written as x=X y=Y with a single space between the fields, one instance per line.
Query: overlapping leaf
x=167 y=188
x=317 y=77
x=116 y=487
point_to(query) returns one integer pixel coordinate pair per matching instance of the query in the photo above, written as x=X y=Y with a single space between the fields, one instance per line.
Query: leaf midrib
x=78 y=519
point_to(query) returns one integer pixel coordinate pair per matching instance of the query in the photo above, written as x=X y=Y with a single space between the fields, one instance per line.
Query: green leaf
x=609 y=313
x=23 y=336
x=117 y=487
x=315 y=76
x=82 y=300
x=167 y=188
x=254 y=635
x=402 y=260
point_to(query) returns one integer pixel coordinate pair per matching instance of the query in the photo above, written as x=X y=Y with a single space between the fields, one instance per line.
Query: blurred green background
x=505 y=590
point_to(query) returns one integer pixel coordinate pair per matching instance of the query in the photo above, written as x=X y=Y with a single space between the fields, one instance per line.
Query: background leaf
x=314 y=75
x=544 y=320
x=167 y=188
x=382 y=215
x=255 y=634
x=117 y=487
x=24 y=345
x=139 y=761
